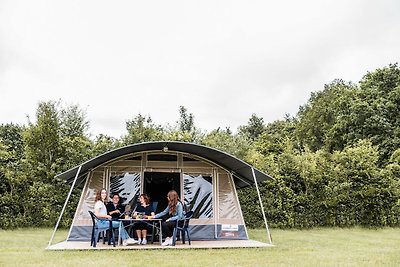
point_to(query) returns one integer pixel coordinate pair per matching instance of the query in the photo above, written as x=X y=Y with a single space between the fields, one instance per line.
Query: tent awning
x=241 y=171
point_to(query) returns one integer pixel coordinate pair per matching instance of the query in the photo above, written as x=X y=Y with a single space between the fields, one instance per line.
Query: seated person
x=100 y=211
x=114 y=208
x=173 y=212
x=145 y=208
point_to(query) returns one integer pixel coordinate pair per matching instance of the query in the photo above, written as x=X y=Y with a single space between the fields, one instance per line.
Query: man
x=114 y=208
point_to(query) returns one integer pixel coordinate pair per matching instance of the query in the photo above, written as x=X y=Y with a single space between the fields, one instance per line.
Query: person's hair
x=98 y=195
x=173 y=200
x=146 y=198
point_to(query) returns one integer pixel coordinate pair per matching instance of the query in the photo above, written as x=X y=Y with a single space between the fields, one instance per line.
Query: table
x=148 y=221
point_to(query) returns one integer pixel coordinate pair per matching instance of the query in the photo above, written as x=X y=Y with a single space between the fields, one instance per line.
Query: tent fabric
x=242 y=172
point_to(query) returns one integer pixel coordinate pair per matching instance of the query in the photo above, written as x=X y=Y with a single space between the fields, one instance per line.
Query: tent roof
x=241 y=171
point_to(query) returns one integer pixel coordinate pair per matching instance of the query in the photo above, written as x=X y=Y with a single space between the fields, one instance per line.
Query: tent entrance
x=158 y=184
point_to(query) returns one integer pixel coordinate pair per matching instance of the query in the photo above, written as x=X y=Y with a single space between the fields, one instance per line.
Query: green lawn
x=316 y=247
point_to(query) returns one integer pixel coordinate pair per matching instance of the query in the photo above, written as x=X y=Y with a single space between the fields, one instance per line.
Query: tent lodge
x=205 y=178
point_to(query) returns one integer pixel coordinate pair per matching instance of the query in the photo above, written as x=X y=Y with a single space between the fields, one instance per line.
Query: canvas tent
x=205 y=178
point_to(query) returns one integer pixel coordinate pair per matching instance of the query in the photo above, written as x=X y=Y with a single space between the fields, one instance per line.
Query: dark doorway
x=158 y=184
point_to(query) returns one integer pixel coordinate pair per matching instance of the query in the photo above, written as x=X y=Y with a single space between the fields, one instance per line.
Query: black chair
x=182 y=227
x=96 y=231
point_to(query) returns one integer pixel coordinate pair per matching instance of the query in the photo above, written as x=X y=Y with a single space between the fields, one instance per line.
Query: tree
x=42 y=140
x=225 y=141
x=254 y=127
x=142 y=129
x=104 y=143
x=324 y=121
x=342 y=114
x=185 y=130
x=381 y=91
x=367 y=194
x=186 y=120
x=73 y=122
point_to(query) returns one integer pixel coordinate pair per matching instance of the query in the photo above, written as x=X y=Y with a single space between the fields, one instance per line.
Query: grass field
x=316 y=247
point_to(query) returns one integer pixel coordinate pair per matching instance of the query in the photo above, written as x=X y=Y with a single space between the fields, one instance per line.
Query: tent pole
x=262 y=206
x=65 y=205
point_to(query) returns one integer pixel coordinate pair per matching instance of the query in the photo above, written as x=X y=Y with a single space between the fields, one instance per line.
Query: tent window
x=94 y=184
x=197 y=193
x=162 y=157
x=189 y=159
x=228 y=205
x=137 y=158
x=127 y=185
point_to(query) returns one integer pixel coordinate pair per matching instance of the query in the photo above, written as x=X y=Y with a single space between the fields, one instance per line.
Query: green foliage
x=42 y=142
x=73 y=121
x=104 y=143
x=336 y=163
x=225 y=141
x=142 y=129
x=185 y=129
x=344 y=113
x=325 y=121
x=186 y=120
x=254 y=128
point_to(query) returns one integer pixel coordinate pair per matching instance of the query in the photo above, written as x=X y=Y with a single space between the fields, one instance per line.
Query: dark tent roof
x=242 y=171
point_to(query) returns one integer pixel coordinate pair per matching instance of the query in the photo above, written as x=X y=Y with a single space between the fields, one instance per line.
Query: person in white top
x=101 y=212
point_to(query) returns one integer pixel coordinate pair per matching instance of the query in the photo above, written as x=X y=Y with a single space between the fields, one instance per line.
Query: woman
x=101 y=212
x=174 y=211
x=145 y=208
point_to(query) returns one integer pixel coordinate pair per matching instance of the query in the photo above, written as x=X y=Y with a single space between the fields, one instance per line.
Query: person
x=114 y=208
x=173 y=212
x=143 y=207
x=100 y=211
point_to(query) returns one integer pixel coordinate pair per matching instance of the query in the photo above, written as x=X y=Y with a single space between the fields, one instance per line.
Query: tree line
x=335 y=163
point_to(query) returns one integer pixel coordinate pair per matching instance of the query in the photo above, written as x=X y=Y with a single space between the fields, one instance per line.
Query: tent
x=205 y=178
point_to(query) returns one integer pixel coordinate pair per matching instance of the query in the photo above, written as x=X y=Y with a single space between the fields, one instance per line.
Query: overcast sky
x=222 y=60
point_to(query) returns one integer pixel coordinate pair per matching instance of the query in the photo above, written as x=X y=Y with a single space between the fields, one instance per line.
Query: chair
x=96 y=231
x=183 y=227
x=154 y=205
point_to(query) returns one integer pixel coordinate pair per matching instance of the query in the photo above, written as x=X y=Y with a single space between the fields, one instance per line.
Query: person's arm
x=121 y=209
x=111 y=210
x=136 y=210
x=164 y=212
x=179 y=213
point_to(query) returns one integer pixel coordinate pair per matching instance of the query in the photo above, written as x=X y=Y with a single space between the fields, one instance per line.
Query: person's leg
x=139 y=234
x=102 y=226
x=168 y=228
x=144 y=236
x=123 y=233
x=165 y=229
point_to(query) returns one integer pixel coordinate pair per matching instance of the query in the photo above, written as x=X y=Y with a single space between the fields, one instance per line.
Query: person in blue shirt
x=143 y=208
x=173 y=212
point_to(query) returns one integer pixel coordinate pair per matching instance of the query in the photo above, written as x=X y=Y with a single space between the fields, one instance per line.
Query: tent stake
x=65 y=205
x=262 y=207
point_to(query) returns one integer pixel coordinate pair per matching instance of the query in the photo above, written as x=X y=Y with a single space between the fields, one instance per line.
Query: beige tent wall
x=219 y=217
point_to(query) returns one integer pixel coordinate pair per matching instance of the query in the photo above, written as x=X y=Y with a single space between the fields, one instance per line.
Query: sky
x=222 y=60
